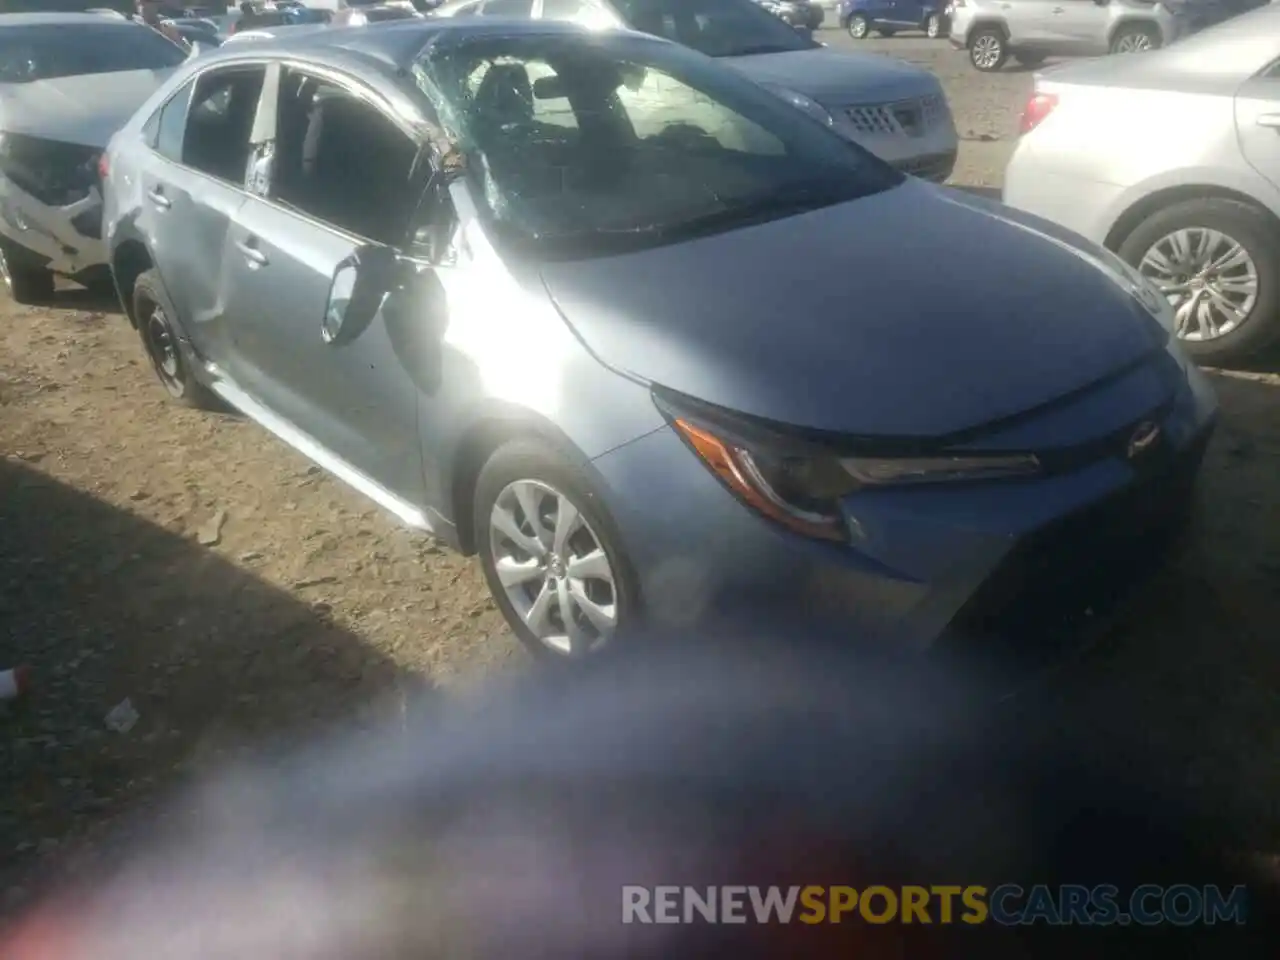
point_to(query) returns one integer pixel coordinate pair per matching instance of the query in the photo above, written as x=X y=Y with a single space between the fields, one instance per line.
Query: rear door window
x=219 y=122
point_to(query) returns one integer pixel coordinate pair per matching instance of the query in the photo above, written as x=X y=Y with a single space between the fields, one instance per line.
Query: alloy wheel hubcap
x=858 y=28
x=931 y=29
x=553 y=568
x=986 y=52
x=1133 y=43
x=4 y=271
x=1209 y=279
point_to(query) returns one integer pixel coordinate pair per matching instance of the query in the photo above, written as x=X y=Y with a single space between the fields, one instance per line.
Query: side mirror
x=360 y=282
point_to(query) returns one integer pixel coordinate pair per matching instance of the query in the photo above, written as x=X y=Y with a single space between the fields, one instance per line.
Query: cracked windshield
x=488 y=479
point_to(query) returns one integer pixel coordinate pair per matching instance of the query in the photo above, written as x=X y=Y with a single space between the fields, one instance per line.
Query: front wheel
x=27 y=285
x=933 y=26
x=551 y=554
x=859 y=27
x=987 y=50
x=1138 y=39
x=1218 y=263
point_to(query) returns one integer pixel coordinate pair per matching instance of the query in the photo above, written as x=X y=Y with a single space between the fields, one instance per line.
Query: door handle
x=251 y=253
x=159 y=199
x=1271 y=120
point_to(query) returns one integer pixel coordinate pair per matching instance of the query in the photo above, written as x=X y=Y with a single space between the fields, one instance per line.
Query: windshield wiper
x=758 y=49
x=774 y=206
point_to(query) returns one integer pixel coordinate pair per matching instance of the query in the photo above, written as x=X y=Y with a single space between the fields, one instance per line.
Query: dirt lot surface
x=189 y=563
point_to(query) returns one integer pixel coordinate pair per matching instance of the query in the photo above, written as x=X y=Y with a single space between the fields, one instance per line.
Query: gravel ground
x=232 y=594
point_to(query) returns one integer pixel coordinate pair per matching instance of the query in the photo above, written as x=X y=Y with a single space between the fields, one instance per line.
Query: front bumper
x=1001 y=566
x=69 y=238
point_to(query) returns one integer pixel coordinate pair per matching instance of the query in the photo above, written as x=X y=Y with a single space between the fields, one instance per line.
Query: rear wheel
x=551 y=554
x=1135 y=39
x=933 y=26
x=1218 y=263
x=27 y=285
x=859 y=27
x=987 y=49
x=159 y=336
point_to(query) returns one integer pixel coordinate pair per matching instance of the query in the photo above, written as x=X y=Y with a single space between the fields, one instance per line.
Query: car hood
x=85 y=110
x=838 y=79
x=915 y=313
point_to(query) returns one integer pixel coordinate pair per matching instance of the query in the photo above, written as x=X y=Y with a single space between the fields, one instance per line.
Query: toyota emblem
x=1144 y=437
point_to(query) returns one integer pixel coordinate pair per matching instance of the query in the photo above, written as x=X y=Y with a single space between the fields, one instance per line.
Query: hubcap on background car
x=553 y=568
x=4 y=272
x=163 y=350
x=1209 y=279
x=986 y=52
x=858 y=29
x=932 y=28
x=1133 y=43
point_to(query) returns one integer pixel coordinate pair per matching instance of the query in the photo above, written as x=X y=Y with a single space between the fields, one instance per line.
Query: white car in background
x=67 y=83
x=895 y=109
x=1172 y=160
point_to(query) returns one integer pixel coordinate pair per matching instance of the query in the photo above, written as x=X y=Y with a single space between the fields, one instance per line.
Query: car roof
x=57 y=19
x=397 y=43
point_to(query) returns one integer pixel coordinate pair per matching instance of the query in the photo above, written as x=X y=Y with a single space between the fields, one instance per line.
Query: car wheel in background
x=1032 y=60
x=1218 y=262
x=933 y=26
x=551 y=554
x=27 y=285
x=153 y=314
x=1137 y=38
x=858 y=27
x=987 y=49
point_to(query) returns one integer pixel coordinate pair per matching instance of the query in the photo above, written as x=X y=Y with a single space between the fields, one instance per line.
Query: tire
x=933 y=26
x=539 y=469
x=1031 y=60
x=858 y=27
x=1257 y=235
x=1135 y=39
x=987 y=49
x=886 y=32
x=27 y=285
x=153 y=312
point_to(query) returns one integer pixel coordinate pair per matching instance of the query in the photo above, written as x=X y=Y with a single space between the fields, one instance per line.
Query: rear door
x=340 y=174
x=1257 y=108
x=193 y=184
x=908 y=12
x=1081 y=27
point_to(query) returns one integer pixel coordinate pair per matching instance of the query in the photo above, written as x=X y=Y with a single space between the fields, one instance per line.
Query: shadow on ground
x=106 y=606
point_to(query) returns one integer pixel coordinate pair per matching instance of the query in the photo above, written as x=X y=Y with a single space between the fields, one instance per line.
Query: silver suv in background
x=895 y=109
x=1032 y=30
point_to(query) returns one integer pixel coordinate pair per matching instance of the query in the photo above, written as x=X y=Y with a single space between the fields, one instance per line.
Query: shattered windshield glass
x=580 y=147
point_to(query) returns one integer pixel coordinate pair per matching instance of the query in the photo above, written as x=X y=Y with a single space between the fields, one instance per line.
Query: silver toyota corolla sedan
x=514 y=281
x=1172 y=159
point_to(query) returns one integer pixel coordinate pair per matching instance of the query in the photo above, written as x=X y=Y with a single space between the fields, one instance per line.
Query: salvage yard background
x=233 y=594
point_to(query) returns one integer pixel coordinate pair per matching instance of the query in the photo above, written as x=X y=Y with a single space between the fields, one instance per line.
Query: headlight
x=800 y=486
x=798 y=100
x=1142 y=289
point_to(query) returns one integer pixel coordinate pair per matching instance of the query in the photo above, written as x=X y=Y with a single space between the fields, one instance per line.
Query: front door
x=1032 y=23
x=339 y=179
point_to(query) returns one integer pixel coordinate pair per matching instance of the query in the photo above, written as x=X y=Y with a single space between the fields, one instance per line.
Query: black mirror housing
x=360 y=282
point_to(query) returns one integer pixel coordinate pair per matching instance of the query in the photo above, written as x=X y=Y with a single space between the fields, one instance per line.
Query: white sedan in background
x=1172 y=159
